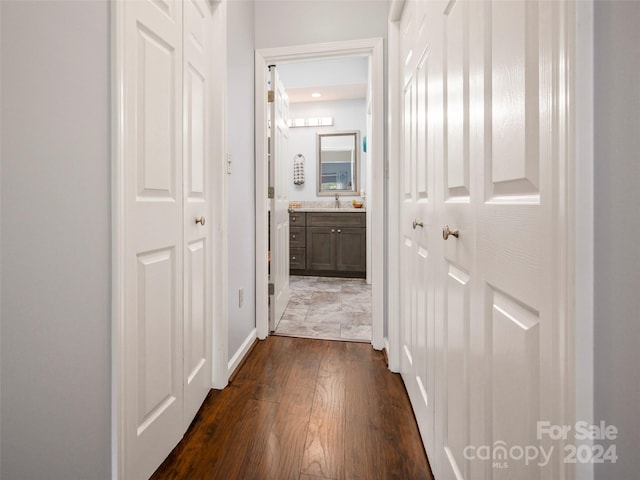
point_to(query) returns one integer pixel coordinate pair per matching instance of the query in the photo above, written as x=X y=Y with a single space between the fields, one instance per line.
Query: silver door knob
x=447 y=232
x=200 y=220
x=417 y=224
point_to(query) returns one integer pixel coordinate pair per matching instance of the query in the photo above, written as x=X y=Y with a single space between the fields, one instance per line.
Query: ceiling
x=328 y=92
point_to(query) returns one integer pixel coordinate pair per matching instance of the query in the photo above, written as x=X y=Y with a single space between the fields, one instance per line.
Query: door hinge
x=272 y=289
x=271 y=192
x=271 y=95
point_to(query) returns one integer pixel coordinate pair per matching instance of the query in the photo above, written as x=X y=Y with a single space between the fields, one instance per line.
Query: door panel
x=152 y=142
x=456 y=202
x=456 y=380
x=417 y=329
x=279 y=176
x=159 y=383
x=457 y=182
x=198 y=237
x=514 y=166
x=515 y=350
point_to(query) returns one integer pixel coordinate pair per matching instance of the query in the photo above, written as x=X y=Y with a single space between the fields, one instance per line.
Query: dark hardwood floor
x=304 y=409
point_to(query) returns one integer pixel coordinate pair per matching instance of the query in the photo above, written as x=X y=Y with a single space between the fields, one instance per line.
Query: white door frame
x=264 y=57
x=219 y=320
x=576 y=233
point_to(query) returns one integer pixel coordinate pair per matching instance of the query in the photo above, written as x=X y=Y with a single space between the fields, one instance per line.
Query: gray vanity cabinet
x=335 y=244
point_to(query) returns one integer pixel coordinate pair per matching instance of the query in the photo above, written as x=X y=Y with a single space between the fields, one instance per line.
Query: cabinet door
x=351 y=250
x=321 y=248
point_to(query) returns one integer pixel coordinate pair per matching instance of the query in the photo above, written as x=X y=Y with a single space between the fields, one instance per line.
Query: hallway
x=304 y=409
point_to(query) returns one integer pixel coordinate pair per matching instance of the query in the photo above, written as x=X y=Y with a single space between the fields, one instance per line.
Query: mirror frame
x=353 y=192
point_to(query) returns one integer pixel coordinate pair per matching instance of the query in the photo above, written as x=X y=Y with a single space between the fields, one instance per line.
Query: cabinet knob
x=293 y=219
x=333 y=230
x=293 y=258
x=339 y=231
x=293 y=236
x=200 y=220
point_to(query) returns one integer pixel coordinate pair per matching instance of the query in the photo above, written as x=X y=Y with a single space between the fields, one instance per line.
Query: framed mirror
x=338 y=156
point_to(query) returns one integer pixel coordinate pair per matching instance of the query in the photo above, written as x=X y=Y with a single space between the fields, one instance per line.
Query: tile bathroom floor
x=328 y=308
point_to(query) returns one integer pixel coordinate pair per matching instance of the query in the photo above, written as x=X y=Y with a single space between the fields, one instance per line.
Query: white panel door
x=456 y=271
x=417 y=300
x=197 y=167
x=489 y=195
x=152 y=139
x=279 y=205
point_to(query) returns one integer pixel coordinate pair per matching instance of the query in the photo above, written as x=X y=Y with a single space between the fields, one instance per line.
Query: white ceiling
x=329 y=93
x=336 y=79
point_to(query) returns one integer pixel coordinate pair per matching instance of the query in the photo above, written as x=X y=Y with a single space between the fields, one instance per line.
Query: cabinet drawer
x=296 y=237
x=297 y=219
x=336 y=219
x=297 y=260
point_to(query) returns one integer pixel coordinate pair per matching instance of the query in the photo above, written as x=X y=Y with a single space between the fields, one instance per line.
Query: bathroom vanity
x=328 y=242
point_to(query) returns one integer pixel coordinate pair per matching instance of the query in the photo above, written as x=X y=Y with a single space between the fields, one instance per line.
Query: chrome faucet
x=337 y=201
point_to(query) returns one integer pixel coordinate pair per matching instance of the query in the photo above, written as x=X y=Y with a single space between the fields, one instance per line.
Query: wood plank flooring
x=304 y=409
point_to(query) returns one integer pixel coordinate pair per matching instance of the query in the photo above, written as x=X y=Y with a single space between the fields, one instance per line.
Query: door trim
x=581 y=335
x=393 y=199
x=219 y=320
x=374 y=49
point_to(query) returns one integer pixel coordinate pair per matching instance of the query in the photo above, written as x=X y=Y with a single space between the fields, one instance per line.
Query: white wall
x=320 y=73
x=284 y=22
x=240 y=190
x=348 y=115
x=617 y=229
x=55 y=242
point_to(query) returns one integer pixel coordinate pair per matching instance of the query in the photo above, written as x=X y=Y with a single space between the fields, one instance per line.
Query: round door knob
x=417 y=224
x=200 y=220
x=447 y=232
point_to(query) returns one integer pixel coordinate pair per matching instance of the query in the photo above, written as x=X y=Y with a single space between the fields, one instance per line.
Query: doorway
x=326 y=179
x=371 y=48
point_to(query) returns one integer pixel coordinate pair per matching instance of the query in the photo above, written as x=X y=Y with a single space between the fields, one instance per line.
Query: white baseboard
x=241 y=353
x=392 y=367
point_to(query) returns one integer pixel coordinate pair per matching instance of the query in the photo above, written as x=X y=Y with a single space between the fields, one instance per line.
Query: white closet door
x=167 y=157
x=153 y=365
x=198 y=237
x=417 y=226
x=482 y=319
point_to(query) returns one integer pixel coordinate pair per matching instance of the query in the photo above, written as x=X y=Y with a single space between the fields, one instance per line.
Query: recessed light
x=316 y=95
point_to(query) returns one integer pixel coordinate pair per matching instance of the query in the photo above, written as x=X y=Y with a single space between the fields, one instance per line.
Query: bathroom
x=330 y=278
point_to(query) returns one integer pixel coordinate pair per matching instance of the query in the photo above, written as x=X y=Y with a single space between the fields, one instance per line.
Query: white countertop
x=348 y=208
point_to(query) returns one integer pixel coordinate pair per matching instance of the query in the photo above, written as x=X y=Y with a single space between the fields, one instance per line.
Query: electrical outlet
x=240 y=297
